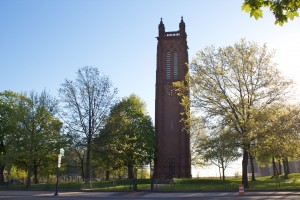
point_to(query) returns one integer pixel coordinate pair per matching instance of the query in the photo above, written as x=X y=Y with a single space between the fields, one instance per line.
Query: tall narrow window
x=168 y=65
x=175 y=65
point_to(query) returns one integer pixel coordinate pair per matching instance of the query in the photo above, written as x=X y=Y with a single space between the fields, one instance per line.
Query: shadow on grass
x=201 y=184
x=113 y=185
x=196 y=184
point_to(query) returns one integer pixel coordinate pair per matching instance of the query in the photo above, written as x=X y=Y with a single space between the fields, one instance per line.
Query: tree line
x=94 y=127
x=241 y=97
x=241 y=106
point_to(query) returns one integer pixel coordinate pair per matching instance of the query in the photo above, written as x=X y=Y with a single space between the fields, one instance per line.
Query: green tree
x=229 y=83
x=283 y=10
x=220 y=149
x=104 y=153
x=17 y=174
x=197 y=135
x=278 y=135
x=38 y=133
x=130 y=134
x=8 y=124
x=87 y=102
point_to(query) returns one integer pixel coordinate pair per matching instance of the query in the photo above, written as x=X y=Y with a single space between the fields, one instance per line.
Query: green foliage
x=197 y=136
x=8 y=124
x=30 y=132
x=143 y=172
x=17 y=174
x=182 y=89
x=220 y=150
x=230 y=84
x=38 y=133
x=283 y=10
x=128 y=136
x=278 y=133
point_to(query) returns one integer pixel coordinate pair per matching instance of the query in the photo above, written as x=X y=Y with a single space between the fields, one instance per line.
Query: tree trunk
x=275 y=171
x=2 y=166
x=223 y=171
x=107 y=173
x=35 y=173
x=252 y=168
x=28 y=179
x=287 y=165
x=285 y=170
x=130 y=171
x=245 y=168
x=88 y=162
x=82 y=168
x=29 y=169
x=279 y=168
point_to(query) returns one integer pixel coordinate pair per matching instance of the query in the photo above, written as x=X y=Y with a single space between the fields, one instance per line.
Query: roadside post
x=60 y=155
x=241 y=189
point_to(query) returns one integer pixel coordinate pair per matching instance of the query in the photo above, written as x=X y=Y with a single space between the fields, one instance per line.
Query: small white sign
x=62 y=152
x=59 y=161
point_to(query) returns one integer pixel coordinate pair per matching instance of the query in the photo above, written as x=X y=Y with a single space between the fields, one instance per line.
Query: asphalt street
x=47 y=195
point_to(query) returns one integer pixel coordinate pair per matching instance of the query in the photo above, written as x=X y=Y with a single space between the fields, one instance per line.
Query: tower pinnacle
x=182 y=27
x=161 y=28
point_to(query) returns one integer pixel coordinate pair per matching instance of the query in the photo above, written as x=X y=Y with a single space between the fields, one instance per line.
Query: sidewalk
x=150 y=195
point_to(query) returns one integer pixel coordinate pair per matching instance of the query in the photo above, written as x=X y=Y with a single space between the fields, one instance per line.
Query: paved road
x=46 y=195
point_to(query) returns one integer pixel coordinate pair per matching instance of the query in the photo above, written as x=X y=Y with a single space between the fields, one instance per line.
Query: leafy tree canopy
x=283 y=10
x=229 y=84
x=278 y=132
x=219 y=149
x=129 y=134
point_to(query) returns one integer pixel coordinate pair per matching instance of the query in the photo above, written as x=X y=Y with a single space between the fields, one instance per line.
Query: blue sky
x=43 y=42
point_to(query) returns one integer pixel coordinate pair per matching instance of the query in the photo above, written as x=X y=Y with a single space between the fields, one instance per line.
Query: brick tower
x=172 y=159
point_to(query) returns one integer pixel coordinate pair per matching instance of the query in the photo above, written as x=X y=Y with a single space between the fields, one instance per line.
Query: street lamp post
x=61 y=154
x=151 y=176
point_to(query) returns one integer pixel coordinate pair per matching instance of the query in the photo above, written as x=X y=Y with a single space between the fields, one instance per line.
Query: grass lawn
x=203 y=184
x=118 y=185
x=232 y=184
x=196 y=184
x=270 y=183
